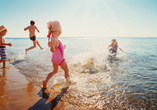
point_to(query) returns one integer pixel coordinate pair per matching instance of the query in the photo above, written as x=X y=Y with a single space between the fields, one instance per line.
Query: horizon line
x=74 y=37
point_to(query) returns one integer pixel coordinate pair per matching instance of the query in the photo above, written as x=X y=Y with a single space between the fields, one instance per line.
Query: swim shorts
x=33 y=38
x=112 y=51
x=3 y=52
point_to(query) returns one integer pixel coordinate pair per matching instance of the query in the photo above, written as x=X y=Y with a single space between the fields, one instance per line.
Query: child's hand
x=10 y=44
x=52 y=49
x=64 y=46
x=50 y=44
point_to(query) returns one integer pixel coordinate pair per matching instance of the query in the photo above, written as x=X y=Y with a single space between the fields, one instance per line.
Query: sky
x=81 y=18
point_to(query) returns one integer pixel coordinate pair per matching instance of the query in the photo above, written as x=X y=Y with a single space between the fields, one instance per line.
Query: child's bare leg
x=39 y=44
x=1 y=61
x=32 y=47
x=50 y=75
x=64 y=66
x=4 y=62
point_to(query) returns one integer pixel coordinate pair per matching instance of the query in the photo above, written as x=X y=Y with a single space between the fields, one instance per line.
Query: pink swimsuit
x=57 y=56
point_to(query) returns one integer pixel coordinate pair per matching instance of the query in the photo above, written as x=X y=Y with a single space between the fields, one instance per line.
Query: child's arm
x=64 y=46
x=52 y=47
x=109 y=45
x=121 y=50
x=26 y=28
x=3 y=43
x=37 y=29
x=51 y=44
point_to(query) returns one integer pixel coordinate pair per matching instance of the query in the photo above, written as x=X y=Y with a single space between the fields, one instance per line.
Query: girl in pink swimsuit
x=57 y=56
x=57 y=48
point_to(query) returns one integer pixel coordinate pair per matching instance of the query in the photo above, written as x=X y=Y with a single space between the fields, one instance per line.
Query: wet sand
x=17 y=93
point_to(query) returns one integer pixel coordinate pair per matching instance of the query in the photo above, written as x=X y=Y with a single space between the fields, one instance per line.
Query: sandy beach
x=17 y=93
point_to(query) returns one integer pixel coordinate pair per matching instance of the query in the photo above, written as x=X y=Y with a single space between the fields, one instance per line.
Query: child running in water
x=32 y=36
x=3 y=45
x=57 y=48
x=114 y=46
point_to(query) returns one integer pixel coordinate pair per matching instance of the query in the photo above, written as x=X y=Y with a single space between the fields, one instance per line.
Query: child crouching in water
x=114 y=47
x=3 y=45
x=57 y=48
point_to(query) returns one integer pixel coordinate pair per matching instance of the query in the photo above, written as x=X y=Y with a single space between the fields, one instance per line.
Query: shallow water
x=127 y=82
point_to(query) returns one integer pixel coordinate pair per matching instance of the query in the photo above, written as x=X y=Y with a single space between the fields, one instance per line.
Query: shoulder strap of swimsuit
x=57 y=39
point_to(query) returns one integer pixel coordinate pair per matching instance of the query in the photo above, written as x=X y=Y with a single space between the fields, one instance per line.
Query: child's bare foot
x=68 y=80
x=41 y=48
x=44 y=84
x=26 y=50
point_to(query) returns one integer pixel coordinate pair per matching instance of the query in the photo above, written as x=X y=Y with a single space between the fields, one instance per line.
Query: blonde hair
x=114 y=41
x=53 y=26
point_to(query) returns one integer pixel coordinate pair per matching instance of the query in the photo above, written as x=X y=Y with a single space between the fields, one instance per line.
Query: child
x=57 y=48
x=3 y=45
x=32 y=36
x=114 y=46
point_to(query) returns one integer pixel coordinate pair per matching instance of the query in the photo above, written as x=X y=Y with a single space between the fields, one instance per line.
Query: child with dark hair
x=32 y=36
x=32 y=22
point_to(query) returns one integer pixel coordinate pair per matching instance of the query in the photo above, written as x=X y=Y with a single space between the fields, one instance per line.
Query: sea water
x=127 y=82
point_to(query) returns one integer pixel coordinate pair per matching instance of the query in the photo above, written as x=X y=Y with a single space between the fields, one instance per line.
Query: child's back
x=32 y=30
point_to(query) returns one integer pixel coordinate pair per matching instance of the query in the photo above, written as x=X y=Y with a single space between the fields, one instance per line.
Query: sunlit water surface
x=127 y=82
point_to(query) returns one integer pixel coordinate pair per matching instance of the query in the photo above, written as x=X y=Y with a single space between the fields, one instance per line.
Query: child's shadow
x=42 y=105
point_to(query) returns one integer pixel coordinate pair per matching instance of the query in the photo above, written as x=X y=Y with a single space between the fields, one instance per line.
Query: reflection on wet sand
x=30 y=87
x=3 y=96
x=17 y=93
